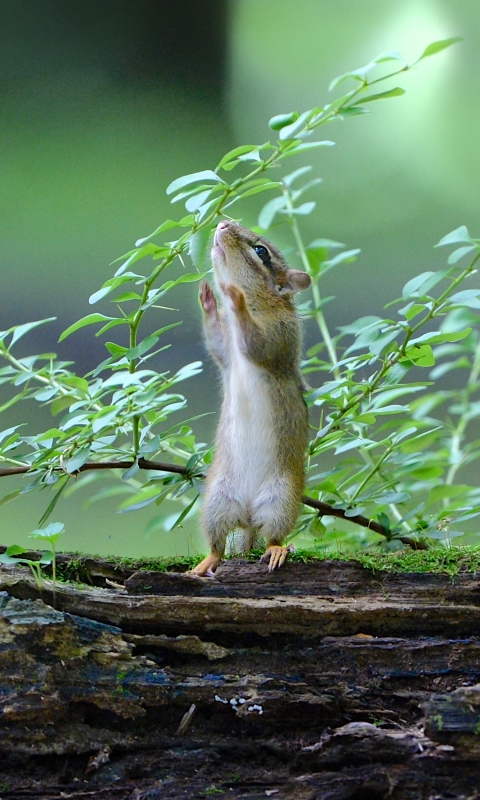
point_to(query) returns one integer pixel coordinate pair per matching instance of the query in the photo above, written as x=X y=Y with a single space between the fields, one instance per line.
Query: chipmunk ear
x=296 y=282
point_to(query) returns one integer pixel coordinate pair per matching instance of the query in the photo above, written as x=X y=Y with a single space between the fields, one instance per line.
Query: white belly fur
x=249 y=421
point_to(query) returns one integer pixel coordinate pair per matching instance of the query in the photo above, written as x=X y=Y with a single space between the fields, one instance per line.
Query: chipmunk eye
x=263 y=253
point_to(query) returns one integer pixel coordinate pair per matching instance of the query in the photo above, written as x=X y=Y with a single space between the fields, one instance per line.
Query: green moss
x=76 y=570
x=447 y=561
x=160 y=564
x=440 y=560
x=443 y=560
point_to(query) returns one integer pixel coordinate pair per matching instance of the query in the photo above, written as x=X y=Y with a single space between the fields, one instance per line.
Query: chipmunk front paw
x=208 y=301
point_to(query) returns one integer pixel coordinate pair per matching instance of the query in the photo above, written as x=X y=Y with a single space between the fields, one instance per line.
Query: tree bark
x=319 y=680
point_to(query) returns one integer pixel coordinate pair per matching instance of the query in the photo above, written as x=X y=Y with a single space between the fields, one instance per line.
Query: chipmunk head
x=252 y=263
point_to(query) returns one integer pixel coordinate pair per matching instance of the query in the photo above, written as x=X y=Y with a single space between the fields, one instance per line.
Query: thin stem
x=373 y=471
x=317 y=299
x=178 y=469
x=459 y=430
x=400 y=353
x=50 y=381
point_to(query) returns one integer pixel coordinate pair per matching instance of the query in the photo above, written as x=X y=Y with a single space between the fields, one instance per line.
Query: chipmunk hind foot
x=207 y=567
x=277 y=555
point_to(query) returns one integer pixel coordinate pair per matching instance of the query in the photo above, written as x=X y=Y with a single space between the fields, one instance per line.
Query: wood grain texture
x=366 y=685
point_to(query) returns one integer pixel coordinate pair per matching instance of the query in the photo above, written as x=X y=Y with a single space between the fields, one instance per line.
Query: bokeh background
x=104 y=103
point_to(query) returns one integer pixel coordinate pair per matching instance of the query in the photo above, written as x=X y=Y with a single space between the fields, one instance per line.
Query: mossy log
x=320 y=680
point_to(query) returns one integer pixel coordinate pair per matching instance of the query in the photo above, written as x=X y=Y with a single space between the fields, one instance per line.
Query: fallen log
x=320 y=680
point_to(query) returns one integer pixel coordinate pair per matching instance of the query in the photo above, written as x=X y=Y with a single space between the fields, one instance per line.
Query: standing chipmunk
x=257 y=476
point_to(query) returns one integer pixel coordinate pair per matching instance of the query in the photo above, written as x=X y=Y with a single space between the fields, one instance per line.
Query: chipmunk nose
x=223 y=225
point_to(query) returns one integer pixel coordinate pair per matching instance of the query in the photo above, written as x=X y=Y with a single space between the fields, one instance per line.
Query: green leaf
x=8 y=431
x=78 y=459
x=112 y=324
x=421 y=284
x=6 y=558
x=76 y=383
x=421 y=355
x=105 y=418
x=302 y=210
x=184 y=513
x=356 y=74
x=136 y=255
x=197 y=189
x=327 y=243
x=384 y=520
x=437 y=47
x=362 y=324
x=188 y=277
x=411 y=310
x=197 y=201
x=165 y=226
x=88 y=320
x=280 y=121
x=6 y=498
x=51 y=532
x=166 y=328
x=54 y=501
x=397 y=92
x=198 y=246
x=352 y=444
x=390 y=55
x=270 y=210
x=46 y=558
x=15 y=550
x=194 y=177
x=366 y=419
x=21 y=330
x=45 y=394
x=131 y=472
x=146 y=498
x=289 y=179
x=253 y=156
x=467 y=298
x=300 y=147
x=52 y=433
x=296 y=127
x=232 y=155
x=435 y=337
x=112 y=284
x=143 y=347
x=392 y=409
x=341 y=258
x=116 y=349
x=459 y=235
x=454 y=257
x=188 y=371
x=353 y=111
x=124 y=296
x=261 y=187
x=60 y=403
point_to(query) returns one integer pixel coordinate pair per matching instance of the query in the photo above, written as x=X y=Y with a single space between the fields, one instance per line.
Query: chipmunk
x=257 y=476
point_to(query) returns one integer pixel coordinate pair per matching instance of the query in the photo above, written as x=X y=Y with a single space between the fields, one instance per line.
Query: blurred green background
x=104 y=103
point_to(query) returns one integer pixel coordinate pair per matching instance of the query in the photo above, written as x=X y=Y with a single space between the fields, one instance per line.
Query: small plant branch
x=394 y=358
x=131 y=402
x=316 y=118
x=325 y=509
x=376 y=465
x=458 y=433
x=317 y=299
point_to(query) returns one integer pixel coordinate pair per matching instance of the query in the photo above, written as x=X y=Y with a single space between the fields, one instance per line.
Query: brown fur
x=257 y=476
